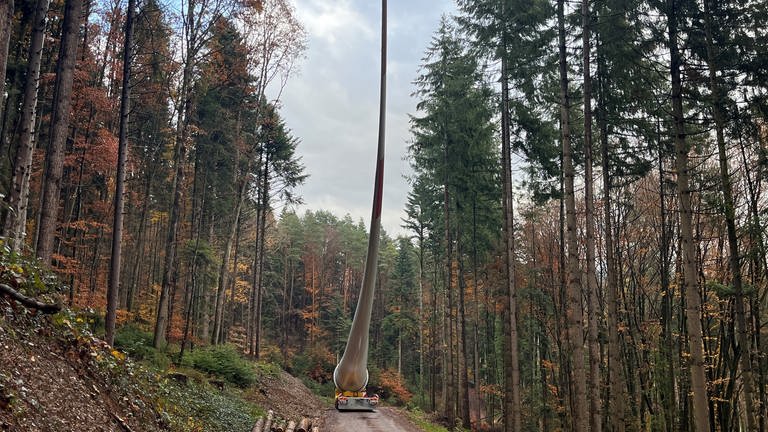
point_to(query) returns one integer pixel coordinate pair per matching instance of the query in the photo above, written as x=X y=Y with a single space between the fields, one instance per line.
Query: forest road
x=384 y=419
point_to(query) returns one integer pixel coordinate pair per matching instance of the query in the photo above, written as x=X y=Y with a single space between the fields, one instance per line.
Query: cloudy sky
x=332 y=104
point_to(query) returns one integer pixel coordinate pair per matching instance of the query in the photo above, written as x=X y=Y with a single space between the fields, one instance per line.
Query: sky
x=331 y=105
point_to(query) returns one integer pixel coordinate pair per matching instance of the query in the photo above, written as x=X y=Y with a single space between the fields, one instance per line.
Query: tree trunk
x=17 y=199
x=744 y=352
x=512 y=399
x=224 y=268
x=450 y=384
x=688 y=248
x=466 y=420
x=258 y=266
x=6 y=18
x=595 y=418
x=161 y=324
x=616 y=407
x=117 y=226
x=62 y=101
x=574 y=305
x=476 y=327
x=420 y=315
x=141 y=237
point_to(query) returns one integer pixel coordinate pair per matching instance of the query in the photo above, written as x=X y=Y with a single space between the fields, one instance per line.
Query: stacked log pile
x=271 y=423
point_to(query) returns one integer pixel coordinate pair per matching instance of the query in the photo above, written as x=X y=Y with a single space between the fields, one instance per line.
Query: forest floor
x=55 y=378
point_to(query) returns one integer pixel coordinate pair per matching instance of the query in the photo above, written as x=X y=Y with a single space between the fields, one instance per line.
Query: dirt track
x=384 y=419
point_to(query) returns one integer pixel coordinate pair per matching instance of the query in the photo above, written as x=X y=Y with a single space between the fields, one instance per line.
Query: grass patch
x=269 y=369
x=422 y=420
x=199 y=407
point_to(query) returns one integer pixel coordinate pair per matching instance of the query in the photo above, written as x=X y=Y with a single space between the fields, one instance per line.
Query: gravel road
x=384 y=419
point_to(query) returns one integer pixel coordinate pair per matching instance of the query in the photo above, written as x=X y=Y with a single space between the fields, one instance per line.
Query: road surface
x=384 y=419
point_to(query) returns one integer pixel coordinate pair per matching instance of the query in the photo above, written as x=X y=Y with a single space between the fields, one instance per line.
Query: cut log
x=315 y=429
x=279 y=426
x=268 y=422
x=259 y=427
x=304 y=425
x=291 y=426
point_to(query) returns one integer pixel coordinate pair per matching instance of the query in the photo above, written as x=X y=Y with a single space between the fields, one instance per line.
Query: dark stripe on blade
x=377 y=197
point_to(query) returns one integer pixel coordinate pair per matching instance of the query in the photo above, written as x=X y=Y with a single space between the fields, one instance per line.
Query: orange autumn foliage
x=393 y=386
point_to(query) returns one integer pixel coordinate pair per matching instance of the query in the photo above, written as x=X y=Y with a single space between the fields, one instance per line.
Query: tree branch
x=28 y=301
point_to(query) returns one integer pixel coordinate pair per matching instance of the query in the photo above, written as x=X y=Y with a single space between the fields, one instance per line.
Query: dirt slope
x=287 y=396
x=62 y=382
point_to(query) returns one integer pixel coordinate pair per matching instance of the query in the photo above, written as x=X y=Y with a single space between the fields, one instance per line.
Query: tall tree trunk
x=258 y=267
x=595 y=418
x=233 y=279
x=224 y=275
x=193 y=298
x=6 y=18
x=668 y=393
x=512 y=399
x=140 y=253
x=450 y=383
x=466 y=420
x=573 y=304
x=420 y=315
x=617 y=388
x=476 y=327
x=434 y=331
x=62 y=101
x=757 y=251
x=17 y=198
x=688 y=248
x=161 y=324
x=744 y=353
x=117 y=226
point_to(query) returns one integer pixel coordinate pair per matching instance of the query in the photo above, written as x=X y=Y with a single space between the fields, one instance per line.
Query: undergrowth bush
x=134 y=341
x=316 y=363
x=26 y=274
x=224 y=362
x=393 y=387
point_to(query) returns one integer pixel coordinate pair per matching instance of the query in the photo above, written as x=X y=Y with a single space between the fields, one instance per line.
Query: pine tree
x=453 y=148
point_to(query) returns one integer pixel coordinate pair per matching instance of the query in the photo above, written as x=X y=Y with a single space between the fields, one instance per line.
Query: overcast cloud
x=332 y=105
